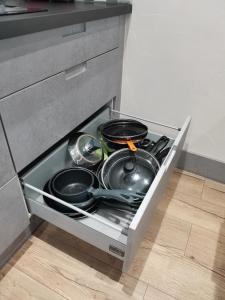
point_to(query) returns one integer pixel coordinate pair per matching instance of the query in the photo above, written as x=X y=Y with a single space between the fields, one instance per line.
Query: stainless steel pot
x=131 y=171
x=85 y=150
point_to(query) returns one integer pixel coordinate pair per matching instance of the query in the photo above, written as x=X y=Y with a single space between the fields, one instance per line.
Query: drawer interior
x=59 y=159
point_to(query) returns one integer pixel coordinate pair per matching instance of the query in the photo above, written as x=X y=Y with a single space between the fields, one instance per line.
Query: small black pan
x=90 y=207
x=90 y=204
x=76 y=185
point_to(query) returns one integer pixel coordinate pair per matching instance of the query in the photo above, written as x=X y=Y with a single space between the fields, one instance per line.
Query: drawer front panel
x=41 y=55
x=93 y=236
x=37 y=117
x=142 y=219
x=6 y=166
x=13 y=214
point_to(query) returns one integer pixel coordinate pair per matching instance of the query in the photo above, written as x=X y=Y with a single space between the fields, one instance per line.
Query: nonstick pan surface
x=92 y=208
x=90 y=205
x=124 y=129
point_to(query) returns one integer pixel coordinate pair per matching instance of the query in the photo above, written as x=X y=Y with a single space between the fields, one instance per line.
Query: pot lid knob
x=129 y=166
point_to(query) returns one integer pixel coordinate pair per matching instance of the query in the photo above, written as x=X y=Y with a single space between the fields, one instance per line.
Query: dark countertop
x=58 y=15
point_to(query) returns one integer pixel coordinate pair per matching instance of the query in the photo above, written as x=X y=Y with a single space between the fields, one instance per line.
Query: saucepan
x=76 y=185
x=85 y=150
x=80 y=187
x=89 y=206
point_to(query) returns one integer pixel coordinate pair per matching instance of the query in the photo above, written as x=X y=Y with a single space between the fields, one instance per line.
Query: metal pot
x=85 y=150
x=132 y=171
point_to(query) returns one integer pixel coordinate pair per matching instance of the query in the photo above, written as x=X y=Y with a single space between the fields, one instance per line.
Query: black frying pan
x=124 y=131
x=90 y=206
x=89 y=203
x=77 y=185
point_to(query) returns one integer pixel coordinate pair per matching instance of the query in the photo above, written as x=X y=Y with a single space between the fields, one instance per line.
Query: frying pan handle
x=123 y=196
x=131 y=146
x=162 y=154
x=120 y=206
x=160 y=145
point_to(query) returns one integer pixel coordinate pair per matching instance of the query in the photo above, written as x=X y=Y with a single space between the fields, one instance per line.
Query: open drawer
x=116 y=232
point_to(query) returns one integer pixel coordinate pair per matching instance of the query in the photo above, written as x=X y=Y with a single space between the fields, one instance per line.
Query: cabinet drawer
x=39 y=116
x=6 y=166
x=32 y=58
x=114 y=232
x=13 y=213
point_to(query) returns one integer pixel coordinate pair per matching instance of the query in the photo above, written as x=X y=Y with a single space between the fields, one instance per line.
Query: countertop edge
x=33 y=24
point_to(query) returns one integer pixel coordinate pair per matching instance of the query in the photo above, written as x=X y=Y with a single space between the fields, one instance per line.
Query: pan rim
x=118 y=122
x=73 y=169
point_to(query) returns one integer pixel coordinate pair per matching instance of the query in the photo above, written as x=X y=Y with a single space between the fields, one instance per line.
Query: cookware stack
x=115 y=170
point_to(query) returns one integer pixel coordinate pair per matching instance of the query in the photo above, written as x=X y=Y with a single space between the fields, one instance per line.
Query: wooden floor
x=182 y=256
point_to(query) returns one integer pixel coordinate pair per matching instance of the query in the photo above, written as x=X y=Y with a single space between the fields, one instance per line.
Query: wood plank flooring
x=181 y=257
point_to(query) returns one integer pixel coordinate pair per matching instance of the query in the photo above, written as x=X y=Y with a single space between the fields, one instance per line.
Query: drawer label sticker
x=116 y=250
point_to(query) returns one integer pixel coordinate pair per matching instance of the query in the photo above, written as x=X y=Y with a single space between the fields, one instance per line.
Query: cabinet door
x=39 y=116
x=31 y=58
x=6 y=165
x=14 y=217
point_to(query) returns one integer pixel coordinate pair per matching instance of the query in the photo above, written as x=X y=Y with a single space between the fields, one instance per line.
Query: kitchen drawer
x=117 y=233
x=13 y=213
x=39 y=116
x=6 y=166
x=31 y=58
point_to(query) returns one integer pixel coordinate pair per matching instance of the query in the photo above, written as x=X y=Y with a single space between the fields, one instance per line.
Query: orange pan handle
x=131 y=146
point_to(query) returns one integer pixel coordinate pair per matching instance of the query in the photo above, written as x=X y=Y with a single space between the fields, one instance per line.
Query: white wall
x=174 y=65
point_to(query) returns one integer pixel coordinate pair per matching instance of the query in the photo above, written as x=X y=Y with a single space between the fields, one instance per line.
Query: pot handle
x=123 y=196
x=162 y=154
x=160 y=145
x=120 y=206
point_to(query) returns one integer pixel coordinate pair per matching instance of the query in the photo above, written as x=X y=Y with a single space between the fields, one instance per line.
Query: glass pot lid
x=89 y=148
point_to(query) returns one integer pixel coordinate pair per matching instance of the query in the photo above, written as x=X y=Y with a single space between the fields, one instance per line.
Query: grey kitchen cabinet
x=51 y=82
x=6 y=166
x=31 y=58
x=40 y=115
x=14 y=217
x=57 y=80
